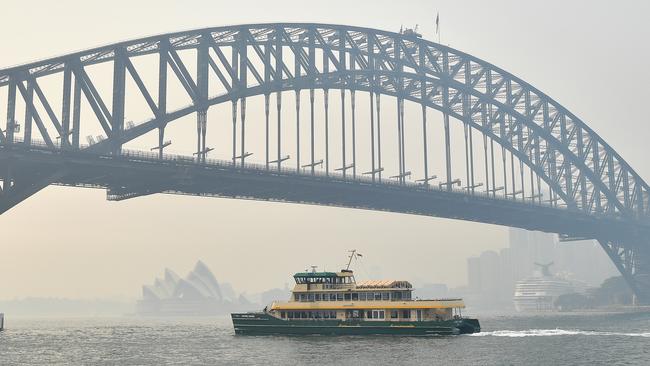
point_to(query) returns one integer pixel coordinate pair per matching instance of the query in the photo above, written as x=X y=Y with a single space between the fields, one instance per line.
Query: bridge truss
x=549 y=170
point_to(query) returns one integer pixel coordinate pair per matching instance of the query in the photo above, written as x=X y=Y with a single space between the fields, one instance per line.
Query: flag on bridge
x=438 y=23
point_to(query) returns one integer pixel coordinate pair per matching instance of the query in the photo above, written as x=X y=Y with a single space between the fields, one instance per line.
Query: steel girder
x=633 y=261
x=247 y=60
x=582 y=168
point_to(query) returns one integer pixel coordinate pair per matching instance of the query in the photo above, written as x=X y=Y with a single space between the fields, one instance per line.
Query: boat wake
x=554 y=332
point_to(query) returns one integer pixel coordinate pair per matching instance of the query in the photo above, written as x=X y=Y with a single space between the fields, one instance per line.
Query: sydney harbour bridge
x=490 y=147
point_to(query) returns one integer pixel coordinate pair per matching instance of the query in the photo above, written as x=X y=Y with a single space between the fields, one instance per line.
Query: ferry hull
x=265 y=324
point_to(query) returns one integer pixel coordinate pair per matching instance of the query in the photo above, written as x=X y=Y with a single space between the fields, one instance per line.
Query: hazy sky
x=588 y=55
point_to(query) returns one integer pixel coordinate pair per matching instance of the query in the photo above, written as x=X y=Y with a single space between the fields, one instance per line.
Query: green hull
x=261 y=324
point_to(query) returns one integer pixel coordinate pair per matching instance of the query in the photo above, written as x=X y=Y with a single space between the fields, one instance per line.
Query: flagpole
x=438 y=26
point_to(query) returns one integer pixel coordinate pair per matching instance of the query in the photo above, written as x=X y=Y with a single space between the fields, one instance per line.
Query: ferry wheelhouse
x=334 y=303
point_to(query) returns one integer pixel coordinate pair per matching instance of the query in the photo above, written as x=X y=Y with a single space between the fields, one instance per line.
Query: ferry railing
x=331 y=286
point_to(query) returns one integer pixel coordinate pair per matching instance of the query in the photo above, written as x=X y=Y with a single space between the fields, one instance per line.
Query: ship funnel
x=545 y=268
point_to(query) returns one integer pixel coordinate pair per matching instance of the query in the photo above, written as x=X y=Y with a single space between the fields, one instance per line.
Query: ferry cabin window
x=406 y=314
x=283 y=314
x=377 y=295
x=339 y=297
x=342 y=280
x=351 y=314
x=332 y=297
x=355 y=296
x=296 y=297
x=385 y=296
x=347 y=296
x=318 y=297
x=303 y=297
x=313 y=315
x=375 y=314
x=394 y=314
x=397 y=295
x=362 y=296
x=311 y=297
x=406 y=295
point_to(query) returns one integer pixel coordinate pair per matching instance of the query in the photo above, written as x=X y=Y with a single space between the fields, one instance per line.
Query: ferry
x=333 y=303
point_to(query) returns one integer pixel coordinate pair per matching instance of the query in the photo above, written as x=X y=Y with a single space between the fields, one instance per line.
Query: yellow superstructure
x=336 y=295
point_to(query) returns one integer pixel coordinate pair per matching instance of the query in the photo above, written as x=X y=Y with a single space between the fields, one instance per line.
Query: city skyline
x=492 y=276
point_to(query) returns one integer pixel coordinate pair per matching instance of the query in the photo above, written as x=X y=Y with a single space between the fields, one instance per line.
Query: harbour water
x=569 y=339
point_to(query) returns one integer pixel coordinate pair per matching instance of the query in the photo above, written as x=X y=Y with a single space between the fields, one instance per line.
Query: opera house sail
x=199 y=293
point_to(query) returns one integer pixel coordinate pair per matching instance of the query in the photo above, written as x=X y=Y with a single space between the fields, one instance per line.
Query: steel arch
x=602 y=172
x=578 y=165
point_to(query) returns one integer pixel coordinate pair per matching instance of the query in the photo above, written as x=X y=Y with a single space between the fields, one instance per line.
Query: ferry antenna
x=353 y=254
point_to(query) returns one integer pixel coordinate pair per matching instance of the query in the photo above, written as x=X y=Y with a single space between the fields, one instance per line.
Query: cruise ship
x=538 y=293
x=333 y=303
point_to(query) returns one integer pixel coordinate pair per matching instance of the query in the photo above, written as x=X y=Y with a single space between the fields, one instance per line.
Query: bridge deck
x=137 y=173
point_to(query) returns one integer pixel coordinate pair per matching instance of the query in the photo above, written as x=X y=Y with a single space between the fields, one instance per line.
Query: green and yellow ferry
x=333 y=303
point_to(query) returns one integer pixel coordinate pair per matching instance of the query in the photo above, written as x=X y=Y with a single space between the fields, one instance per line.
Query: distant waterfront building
x=432 y=291
x=490 y=272
x=485 y=278
x=528 y=247
x=492 y=277
x=474 y=274
x=198 y=293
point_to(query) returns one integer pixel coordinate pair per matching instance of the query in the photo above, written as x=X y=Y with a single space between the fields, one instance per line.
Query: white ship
x=538 y=293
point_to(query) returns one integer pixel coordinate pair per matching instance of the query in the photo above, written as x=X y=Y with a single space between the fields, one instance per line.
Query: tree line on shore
x=614 y=291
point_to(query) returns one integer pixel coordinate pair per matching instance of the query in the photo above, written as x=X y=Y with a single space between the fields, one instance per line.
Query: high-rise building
x=489 y=264
x=474 y=274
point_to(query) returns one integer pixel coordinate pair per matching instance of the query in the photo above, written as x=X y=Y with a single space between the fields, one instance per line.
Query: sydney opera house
x=198 y=293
